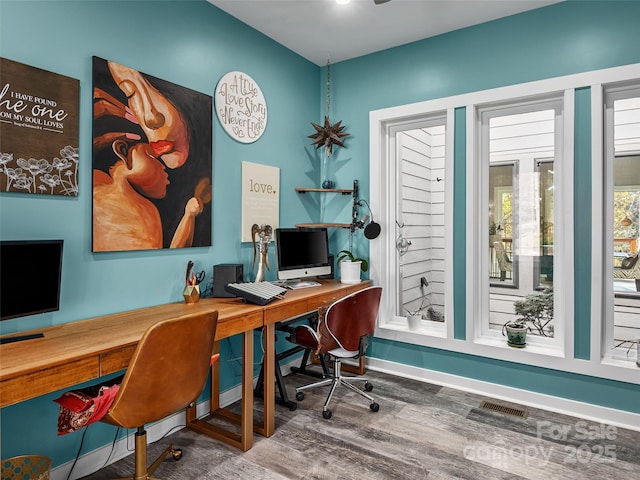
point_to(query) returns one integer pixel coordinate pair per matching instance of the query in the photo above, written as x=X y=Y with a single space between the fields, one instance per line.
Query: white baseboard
x=586 y=411
x=97 y=459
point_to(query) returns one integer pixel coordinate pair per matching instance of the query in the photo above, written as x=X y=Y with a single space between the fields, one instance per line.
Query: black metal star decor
x=328 y=135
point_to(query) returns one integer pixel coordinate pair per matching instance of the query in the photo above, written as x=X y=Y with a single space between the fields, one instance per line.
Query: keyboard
x=259 y=293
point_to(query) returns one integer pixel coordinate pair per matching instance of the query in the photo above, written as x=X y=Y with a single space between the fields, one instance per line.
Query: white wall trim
x=586 y=411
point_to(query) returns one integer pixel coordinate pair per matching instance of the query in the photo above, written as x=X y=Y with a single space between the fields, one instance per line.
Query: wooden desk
x=76 y=352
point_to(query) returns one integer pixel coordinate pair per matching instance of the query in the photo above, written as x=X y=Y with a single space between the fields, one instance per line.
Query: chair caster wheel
x=293 y=406
x=326 y=414
x=177 y=454
x=374 y=407
x=299 y=396
x=368 y=387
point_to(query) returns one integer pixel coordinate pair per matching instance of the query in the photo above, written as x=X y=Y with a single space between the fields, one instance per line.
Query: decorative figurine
x=264 y=233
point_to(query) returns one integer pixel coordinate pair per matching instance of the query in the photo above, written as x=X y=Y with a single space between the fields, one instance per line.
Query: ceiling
x=319 y=30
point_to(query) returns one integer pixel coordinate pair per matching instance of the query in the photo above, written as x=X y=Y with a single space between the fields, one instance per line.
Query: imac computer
x=302 y=253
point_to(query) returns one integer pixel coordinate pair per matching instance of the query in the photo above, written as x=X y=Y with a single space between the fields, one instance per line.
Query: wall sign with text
x=241 y=107
x=39 y=123
x=260 y=197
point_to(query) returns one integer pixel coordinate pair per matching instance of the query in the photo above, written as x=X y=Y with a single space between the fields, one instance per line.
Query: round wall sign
x=241 y=107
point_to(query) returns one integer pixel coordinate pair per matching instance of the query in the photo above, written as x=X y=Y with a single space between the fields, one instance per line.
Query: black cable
x=77 y=454
x=113 y=446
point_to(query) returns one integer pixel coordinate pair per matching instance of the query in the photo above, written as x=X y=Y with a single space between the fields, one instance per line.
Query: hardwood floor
x=422 y=431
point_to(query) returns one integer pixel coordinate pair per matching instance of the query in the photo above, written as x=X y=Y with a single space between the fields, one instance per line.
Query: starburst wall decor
x=328 y=134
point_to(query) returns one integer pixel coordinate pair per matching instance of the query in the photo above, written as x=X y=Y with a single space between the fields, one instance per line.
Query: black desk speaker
x=224 y=274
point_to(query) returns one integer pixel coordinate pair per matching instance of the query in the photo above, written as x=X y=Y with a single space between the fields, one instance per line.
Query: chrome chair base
x=334 y=381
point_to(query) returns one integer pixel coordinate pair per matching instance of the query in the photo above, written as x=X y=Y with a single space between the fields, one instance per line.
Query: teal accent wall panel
x=583 y=223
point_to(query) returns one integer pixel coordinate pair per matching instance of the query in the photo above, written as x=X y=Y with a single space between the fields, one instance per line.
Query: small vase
x=324 y=175
x=191 y=293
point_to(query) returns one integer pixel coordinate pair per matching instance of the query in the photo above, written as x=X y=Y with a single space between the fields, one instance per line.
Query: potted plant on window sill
x=414 y=319
x=351 y=266
x=535 y=313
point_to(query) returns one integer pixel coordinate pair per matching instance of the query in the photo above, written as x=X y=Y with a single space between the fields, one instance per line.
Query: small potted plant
x=350 y=266
x=414 y=318
x=535 y=313
x=516 y=333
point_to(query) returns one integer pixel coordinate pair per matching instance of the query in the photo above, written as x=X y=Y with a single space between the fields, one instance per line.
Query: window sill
x=535 y=348
x=425 y=335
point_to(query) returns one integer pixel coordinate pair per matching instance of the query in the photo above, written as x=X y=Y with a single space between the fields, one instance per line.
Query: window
x=503 y=268
x=521 y=150
x=420 y=224
x=413 y=176
x=621 y=217
x=512 y=182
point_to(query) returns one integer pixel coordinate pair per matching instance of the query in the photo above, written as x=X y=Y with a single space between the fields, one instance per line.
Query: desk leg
x=244 y=440
x=268 y=390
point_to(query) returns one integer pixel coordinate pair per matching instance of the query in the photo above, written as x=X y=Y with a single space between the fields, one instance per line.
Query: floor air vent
x=496 y=407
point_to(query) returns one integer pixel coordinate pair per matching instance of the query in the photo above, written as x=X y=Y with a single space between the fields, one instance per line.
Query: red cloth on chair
x=79 y=408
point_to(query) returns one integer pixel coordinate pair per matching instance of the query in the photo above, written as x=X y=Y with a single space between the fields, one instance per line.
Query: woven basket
x=26 y=467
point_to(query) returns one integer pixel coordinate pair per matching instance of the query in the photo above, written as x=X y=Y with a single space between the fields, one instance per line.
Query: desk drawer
x=289 y=309
x=49 y=380
x=326 y=300
x=111 y=362
x=234 y=326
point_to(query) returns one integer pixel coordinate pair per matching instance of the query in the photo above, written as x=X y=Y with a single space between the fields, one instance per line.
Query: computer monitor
x=302 y=252
x=30 y=277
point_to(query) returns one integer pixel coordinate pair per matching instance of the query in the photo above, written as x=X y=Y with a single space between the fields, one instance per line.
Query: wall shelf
x=343 y=191
x=332 y=225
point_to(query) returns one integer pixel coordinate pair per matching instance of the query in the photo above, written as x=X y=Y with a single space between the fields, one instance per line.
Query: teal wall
x=193 y=44
x=562 y=39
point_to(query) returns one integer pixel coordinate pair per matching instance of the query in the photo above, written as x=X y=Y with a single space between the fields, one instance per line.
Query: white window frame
x=382 y=194
x=602 y=97
x=478 y=166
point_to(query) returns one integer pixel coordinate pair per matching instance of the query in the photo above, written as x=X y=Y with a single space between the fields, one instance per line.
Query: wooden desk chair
x=167 y=372
x=343 y=332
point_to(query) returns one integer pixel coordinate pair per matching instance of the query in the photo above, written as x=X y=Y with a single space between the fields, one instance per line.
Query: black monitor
x=302 y=252
x=30 y=276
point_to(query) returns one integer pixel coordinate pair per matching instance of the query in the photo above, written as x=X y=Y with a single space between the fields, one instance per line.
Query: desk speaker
x=224 y=274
